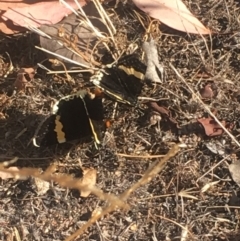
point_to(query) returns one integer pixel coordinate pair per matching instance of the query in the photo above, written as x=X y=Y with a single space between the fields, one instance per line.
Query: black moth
x=74 y=117
x=122 y=82
x=81 y=115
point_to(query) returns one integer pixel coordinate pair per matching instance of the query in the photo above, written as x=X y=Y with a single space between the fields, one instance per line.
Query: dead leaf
x=8 y=27
x=155 y=71
x=42 y=186
x=162 y=110
x=6 y=4
x=165 y=113
x=67 y=29
x=89 y=179
x=6 y=175
x=32 y=13
x=174 y=14
x=208 y=91
x=21 y=81
x=212 y=128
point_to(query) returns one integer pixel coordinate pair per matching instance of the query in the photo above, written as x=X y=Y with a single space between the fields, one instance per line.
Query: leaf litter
x=193 y=168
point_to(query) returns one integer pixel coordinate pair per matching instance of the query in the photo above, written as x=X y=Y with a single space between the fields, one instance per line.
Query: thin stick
x=62 y=57
x=143 y=157
x=152 y=172
x=70 y=7
x=204 y=106
x=39 y=32
x=211 y=169
x=108 y=23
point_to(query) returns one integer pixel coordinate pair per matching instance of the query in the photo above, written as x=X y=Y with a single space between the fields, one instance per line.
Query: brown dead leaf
x=32 y=13
x=8 y=27
x=89 y=179
x=208 y=91
x=21 y=81
x=6 y=4
x=174 y=14
x=6 y=175
x=164 y=112
x=212 y=128
x=72 y=35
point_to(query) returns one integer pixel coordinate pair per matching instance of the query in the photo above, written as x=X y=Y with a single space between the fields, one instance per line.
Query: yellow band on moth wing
x=58 y=129
x=132 y=71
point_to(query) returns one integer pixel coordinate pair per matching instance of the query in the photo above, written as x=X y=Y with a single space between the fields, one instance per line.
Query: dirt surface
x=174 y=200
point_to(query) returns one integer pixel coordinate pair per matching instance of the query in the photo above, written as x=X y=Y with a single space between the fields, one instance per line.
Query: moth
x=123 y=81
x=74 y=117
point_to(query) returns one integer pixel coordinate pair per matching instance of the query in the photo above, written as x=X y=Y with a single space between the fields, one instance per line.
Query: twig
x=204 y=106
x=224 y=159
x=62 y=57
x=149 y=174
x=152 y=171
x=143 y=157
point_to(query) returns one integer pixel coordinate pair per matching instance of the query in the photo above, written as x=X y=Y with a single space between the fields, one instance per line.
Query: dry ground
x=172 y=200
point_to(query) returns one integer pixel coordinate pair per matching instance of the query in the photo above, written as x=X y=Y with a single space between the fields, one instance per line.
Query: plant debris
x=155 y=71
x=22 y=82
x=212 y=128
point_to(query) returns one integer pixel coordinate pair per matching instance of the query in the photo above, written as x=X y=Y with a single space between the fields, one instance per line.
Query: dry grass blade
x=184 y=229
x=147 y=177
x=104 y=17
x=209 y=185
x=65 y=181
x=184 y=234
x=16 y=234
x=153 y=170
x=70 y=7
x=7 y=163
x=96 y=217
x=186 y=194
x=138 y=156
x=62 y=57
x=84 y=18
x=39 y=32
x=69 y=71
x=210 y=170
x=108 y=23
